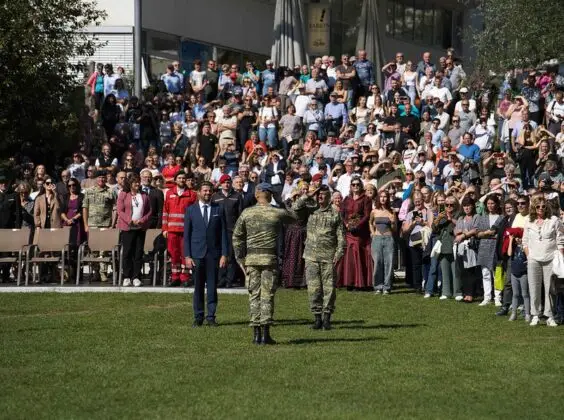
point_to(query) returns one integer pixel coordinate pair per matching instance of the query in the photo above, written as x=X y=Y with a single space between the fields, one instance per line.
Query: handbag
x=436 y=251
x=558 y=264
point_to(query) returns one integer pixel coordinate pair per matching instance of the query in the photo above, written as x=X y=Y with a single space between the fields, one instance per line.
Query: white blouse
x=543 y=239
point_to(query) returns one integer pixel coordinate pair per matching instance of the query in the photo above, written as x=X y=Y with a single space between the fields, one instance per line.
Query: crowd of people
x=459 y=183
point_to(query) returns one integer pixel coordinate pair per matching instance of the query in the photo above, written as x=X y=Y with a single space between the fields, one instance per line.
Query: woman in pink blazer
x=134 y=214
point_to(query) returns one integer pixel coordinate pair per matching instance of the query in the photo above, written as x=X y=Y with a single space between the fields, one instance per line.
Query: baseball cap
x=269 y=62
x=464 y=90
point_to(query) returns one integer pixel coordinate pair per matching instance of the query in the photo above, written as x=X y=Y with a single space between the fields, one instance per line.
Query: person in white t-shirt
x=442 y=93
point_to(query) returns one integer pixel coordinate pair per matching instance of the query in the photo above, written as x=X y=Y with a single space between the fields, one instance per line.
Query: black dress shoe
x=211 y=323
x=197 y=323
x=318 y=323
x=257 y=335
x=266 y=338
x=175 y=283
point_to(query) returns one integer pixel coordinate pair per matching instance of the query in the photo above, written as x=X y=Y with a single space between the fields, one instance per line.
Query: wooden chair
x=100 y=240
x=55 y=243
x=14 y=241
x=150 y=237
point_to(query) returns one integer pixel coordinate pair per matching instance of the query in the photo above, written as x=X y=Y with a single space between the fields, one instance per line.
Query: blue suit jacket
x=200 y=241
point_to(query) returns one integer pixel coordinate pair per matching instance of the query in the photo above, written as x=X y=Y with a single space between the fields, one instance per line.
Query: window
x=421 y=21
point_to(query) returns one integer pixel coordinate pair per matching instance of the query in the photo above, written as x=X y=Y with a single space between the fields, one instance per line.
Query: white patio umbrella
x=289 y=46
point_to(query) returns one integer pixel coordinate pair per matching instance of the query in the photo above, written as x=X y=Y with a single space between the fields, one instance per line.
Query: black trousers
x=204 y=274
x=416 y=253
x=132 y=242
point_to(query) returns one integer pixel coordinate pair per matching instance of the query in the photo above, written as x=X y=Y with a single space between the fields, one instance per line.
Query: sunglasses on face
x=541 y=207
x=72 y=185
x=449 y=205
x=355 y=185
x=48 y=183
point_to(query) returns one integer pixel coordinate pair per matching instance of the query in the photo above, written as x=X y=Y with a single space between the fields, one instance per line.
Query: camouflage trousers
x=321 y=279
x=262 y=282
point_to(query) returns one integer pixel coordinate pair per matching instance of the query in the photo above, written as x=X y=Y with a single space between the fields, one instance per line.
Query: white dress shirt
x=202 y=204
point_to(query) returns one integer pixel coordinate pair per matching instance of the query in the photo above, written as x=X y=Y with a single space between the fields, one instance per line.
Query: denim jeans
x=268 y=135
x=434 y=272
x=520 y=287
x=360 y=130
x=350 y=99
x=383 y=257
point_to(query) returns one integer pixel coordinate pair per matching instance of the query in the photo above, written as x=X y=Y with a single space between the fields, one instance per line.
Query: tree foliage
x=38 y=84
x=518 y=33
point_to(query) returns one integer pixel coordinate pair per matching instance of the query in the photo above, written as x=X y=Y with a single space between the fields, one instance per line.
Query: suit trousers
x=133 y=242
x=204 y=273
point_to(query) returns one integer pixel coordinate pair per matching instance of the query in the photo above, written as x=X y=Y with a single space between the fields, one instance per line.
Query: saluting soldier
x=324 y=246
x=255 y=248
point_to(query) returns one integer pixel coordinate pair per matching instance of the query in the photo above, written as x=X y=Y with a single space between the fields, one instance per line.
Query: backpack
x=519 y=262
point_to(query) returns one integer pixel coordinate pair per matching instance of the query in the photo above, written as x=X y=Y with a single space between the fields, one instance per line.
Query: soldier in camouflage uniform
x=324 y=246
x=255 y=248
x=97 y=209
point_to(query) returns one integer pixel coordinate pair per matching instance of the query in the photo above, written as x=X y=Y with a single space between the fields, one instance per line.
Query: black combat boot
x=266 y=338
x=318 y=323
x=326 y=321
x=257 y=335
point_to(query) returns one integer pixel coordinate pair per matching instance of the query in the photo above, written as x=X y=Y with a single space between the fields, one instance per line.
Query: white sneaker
x=458 y=298
x=550 y=322
x=427 y=296
x=534 y=321
x=126 y=282
x=498 y=303
x=137 y=283
x=443 y=297
x=377 y=292
x=485 y=302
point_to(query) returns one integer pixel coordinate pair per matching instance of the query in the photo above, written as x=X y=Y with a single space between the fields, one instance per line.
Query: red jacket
x=174 y=207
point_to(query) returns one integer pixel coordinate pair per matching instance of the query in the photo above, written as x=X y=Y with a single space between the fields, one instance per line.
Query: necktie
x=206 y=215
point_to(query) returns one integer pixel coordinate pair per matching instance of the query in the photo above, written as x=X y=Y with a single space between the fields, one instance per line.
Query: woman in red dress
x=355 y=268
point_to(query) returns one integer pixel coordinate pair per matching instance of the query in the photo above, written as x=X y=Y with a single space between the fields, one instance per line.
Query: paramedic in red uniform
x=177 y=199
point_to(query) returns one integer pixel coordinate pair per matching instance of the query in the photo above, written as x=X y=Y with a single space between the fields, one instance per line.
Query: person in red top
x=254 y=142
x=177 y=199
x=170 y=171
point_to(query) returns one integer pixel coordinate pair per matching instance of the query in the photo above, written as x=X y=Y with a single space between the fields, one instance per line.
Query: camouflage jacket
x=100 y=203
x=256 y=234
x=325 y=231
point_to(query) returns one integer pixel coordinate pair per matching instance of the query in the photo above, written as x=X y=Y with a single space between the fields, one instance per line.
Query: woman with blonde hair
x=443 y=227
x=543 y=236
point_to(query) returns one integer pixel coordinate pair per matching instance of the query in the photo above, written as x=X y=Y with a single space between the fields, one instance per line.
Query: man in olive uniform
x=255 y=248
x=97 y=209
x=324 y=246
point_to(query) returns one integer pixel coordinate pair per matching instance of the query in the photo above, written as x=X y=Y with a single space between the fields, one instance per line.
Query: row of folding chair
x=52 y=246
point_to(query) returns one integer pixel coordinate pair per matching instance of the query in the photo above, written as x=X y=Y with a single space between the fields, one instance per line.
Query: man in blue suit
x=205 y=250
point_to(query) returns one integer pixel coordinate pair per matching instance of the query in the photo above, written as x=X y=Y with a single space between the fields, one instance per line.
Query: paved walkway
x=110 y=289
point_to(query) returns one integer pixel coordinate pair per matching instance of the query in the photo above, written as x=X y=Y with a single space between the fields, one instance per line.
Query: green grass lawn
x=136 y=356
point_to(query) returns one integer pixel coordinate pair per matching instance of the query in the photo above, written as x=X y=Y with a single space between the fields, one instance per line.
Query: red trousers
x=175 y=248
